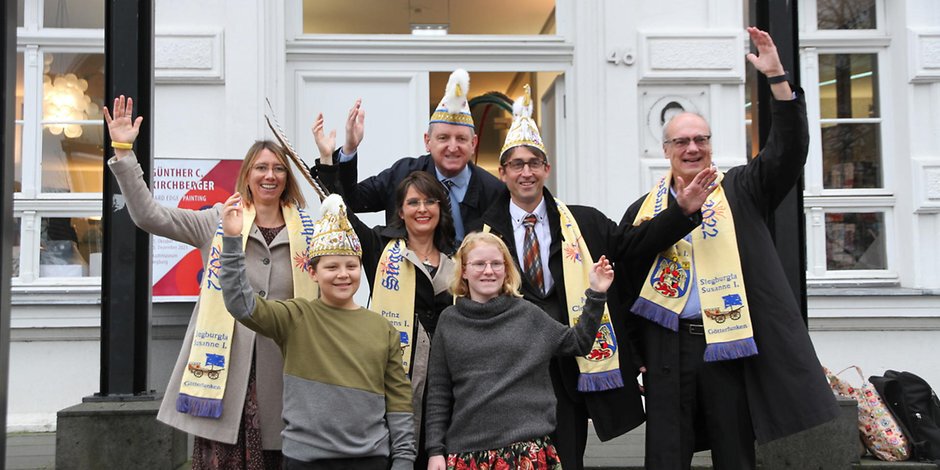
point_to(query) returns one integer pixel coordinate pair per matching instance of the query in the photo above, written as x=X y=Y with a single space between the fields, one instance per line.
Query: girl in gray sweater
x=490 y=398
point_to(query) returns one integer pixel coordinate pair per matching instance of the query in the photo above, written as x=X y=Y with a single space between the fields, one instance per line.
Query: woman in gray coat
x=246 y=432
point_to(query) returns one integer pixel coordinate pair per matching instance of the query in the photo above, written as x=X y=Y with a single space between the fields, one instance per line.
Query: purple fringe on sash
x=600 y=381
x=198 y=406
x=656 y=313
x=730 y=350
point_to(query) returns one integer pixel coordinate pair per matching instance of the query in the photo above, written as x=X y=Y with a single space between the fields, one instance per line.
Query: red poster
x=186 y=184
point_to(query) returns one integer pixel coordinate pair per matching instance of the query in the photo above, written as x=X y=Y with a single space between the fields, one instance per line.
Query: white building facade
x=606 y=73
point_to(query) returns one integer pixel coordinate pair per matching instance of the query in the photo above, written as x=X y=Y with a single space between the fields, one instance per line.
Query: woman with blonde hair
x=490 y=400
x=227 y=384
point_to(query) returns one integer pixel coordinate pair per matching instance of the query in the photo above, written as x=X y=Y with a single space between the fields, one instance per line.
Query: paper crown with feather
x=332 y=233
x=454 y=107
x=523 y=130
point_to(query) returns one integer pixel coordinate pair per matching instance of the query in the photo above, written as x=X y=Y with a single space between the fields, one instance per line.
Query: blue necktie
x=455 y=210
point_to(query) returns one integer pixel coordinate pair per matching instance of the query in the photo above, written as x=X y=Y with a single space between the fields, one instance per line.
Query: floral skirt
x=247 y=453
x=537 y=454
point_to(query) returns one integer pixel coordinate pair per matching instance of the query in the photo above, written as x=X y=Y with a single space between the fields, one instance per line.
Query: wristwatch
x=779 y=78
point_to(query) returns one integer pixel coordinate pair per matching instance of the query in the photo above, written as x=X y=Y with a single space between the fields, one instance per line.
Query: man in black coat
x=723 y=404
x=524 y=168
x=450 y=142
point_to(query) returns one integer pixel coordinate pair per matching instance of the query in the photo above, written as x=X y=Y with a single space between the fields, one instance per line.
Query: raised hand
x=355 y=128
x=691 y=196
x=121 y=127
x=325 y=143
x=232 y=220
x=601 y=275
x=766 y=61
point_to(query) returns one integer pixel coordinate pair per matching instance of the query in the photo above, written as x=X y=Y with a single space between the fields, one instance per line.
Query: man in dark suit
x=530 y=220
x=726 y=353
x=450 y=142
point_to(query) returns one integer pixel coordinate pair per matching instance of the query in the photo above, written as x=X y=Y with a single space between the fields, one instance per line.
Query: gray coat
x=273 y=277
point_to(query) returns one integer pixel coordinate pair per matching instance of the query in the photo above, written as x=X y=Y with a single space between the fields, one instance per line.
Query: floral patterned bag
x=877 y=427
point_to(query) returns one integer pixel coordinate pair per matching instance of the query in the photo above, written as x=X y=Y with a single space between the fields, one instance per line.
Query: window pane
x=428 y=17
x=18 y=129
x=70 y=247
x=73 y=91
x=848 y=86
x=16 y=247
x=73 y=14
x=855 y=241
x=19 y=13
x=72 y=164
x=851 y=156
x=751 y=112
x=845 y=14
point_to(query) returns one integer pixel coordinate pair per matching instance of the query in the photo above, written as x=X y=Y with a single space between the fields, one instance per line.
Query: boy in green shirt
x=347 y=402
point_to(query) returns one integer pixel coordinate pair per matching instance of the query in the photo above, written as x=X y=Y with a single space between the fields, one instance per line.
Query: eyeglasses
x=478 y=267
x=534 y=164
x=416 y=203
x=682 y=142
x=278 y=169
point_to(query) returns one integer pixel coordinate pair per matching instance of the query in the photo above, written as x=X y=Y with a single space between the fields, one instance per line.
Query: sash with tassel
x=729 y=333
x=202 y=391
x=599 y=369
x=393 y=295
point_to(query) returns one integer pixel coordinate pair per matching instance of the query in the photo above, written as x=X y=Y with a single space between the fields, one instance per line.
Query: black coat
x=786 y=389
x=614 y=412
x=377 y=193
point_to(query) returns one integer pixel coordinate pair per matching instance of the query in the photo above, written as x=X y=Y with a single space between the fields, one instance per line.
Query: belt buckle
x=696 y=329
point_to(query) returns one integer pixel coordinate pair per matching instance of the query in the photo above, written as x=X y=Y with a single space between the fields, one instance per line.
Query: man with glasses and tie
x=450 y=142
x=554 y=246
x=726 y=355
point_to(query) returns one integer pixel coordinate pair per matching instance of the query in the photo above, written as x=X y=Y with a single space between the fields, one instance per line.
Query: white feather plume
x=522 y=107
x=331 y=205
x=455 y=95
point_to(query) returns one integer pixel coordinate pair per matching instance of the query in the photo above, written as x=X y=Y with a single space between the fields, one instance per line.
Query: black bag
x=916 y=407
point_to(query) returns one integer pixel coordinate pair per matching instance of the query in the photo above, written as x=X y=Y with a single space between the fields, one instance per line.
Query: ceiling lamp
x=64 y=99
x=428 y=29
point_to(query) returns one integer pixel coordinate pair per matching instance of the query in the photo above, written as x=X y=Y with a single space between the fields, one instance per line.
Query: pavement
x=31 y=451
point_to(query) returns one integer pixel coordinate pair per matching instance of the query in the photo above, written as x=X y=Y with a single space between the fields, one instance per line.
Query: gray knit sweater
x=488 y=381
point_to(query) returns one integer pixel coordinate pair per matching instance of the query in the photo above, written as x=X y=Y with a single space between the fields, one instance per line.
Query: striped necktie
x=532 y=257
x=455 y=210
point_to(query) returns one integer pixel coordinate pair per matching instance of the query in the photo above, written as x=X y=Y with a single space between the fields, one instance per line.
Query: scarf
x=600 y=369
x=714 y=254
x=203 y=387
x=393 y=295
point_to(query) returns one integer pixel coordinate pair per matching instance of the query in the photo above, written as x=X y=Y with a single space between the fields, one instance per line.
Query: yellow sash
x=600 y=369
x=714 y=251
x=393 y=295
x=203 y=385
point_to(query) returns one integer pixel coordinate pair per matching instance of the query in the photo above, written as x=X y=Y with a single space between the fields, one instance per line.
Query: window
x=429 y=17
x=849 y=117
x=16 y=247
x=58 y=156
x=849 y=196
x=855 y=240
x=73 y=14
x=845 y=14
